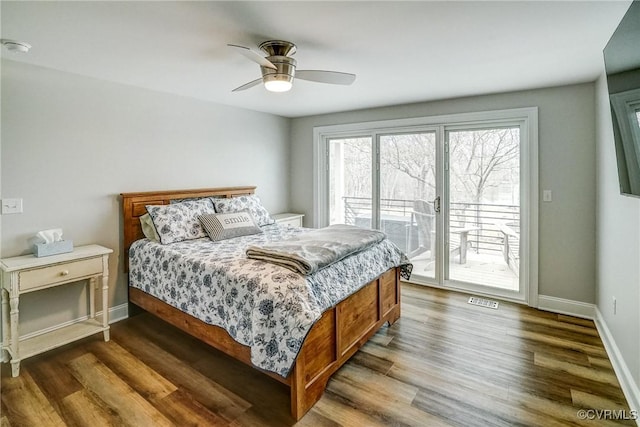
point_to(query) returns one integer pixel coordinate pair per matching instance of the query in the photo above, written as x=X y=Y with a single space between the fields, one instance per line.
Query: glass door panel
x=407 y=189
x=350 y=180
x=482 y=228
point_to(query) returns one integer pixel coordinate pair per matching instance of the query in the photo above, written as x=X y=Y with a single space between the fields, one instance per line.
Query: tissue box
x=46 y=249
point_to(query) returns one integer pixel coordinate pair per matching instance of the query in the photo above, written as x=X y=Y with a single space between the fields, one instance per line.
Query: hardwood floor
x=444 y=363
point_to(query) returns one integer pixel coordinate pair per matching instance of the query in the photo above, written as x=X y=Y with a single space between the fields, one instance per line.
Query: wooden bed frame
x=339 y=333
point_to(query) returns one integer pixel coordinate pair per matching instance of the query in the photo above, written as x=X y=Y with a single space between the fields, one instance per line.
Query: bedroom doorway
x=454 y=196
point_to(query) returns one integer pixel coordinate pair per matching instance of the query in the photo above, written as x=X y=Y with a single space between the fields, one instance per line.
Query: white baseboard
x=118 y=313
x=630 y=389
x=566 y=306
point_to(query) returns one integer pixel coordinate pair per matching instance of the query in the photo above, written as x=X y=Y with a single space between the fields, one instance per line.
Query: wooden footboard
x=339 y=333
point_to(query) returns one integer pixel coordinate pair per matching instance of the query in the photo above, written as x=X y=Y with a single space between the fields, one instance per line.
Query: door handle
x=436 y=204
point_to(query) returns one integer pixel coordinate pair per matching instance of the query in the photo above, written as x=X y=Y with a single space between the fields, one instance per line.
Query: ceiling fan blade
x=331 y=77
x=255 y=57
x=249 y=85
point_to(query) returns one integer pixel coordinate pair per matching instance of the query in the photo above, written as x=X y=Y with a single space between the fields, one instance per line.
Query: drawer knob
x=64 y=273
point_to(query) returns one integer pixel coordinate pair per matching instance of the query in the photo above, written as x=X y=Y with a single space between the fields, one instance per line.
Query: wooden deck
x=443 y=363
x=483 y=269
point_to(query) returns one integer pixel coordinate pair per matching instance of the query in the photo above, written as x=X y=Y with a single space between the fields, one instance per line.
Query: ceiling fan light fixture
x=277 y=82
x=278 y=85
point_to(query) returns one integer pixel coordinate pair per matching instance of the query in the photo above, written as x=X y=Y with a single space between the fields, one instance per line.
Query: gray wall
x=567 y=166
x=71 y=144
x=618 y=243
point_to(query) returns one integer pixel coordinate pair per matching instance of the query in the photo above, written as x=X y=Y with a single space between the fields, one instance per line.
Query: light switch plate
x=11 y=206
x=547 y=196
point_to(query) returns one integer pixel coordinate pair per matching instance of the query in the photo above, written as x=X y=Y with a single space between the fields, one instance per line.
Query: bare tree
x=481 y=159
x=409 y=156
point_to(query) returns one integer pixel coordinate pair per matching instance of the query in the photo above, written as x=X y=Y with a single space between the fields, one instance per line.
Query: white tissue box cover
x=54 y=248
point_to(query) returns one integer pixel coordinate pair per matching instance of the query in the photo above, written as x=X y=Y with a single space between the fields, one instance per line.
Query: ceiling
x=402 y=52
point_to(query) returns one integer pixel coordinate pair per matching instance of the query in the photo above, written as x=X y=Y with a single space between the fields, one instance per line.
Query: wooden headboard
x=133 y=207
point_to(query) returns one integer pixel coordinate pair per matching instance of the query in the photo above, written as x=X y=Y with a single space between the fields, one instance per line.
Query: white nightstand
x=28 y=273
x=292 y=219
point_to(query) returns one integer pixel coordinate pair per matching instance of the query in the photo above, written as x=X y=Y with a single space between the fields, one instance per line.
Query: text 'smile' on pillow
x=221 y=226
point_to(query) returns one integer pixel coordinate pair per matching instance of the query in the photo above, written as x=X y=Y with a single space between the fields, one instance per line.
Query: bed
x=337 y=333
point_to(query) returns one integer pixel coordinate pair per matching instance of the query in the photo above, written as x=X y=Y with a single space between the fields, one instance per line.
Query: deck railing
x=489 y=219
x=361 y=207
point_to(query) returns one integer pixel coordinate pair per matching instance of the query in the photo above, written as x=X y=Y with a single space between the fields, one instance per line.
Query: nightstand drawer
x=295 y=222
x=289 y=219
x=59 y=273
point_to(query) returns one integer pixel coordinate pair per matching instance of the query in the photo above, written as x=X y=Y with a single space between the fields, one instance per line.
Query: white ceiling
x=402 y=52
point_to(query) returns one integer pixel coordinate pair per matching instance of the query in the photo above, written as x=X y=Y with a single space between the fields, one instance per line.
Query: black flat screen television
x=622 y=64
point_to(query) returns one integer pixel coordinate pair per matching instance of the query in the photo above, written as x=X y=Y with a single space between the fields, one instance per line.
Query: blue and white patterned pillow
x=251 y=203
x=179 y=221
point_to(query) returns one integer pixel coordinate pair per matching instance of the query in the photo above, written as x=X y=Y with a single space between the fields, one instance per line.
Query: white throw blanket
x=308 y=252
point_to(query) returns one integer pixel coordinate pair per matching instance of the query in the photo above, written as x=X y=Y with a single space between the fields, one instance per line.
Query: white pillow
x=222 y=226
x=179 y=221
x=251 y=203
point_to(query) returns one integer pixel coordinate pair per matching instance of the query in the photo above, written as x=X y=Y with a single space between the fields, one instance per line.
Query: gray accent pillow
x=251 y=203
x=221 y=226
x=179 y=221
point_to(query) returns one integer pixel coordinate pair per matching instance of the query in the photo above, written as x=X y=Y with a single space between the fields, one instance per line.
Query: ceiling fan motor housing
x=285 y=69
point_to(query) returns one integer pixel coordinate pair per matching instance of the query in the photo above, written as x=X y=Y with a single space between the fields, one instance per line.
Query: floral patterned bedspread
x=264 y=306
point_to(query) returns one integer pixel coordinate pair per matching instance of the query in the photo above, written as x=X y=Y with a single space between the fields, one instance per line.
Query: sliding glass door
x=407 y=190
x=483 y=207
x=449 y=195
x=389 y=182
x=350 y=181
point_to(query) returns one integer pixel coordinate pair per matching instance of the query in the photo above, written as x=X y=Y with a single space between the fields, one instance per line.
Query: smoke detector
x=16 y=46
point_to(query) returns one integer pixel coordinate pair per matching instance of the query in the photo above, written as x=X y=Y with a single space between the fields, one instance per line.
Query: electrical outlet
x=11 y=206
x=615 y=305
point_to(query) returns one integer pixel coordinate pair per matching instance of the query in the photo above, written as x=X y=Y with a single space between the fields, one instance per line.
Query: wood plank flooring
x=444 y=363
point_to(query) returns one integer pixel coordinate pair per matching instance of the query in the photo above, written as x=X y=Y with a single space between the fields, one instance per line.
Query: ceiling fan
x=279 y=68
